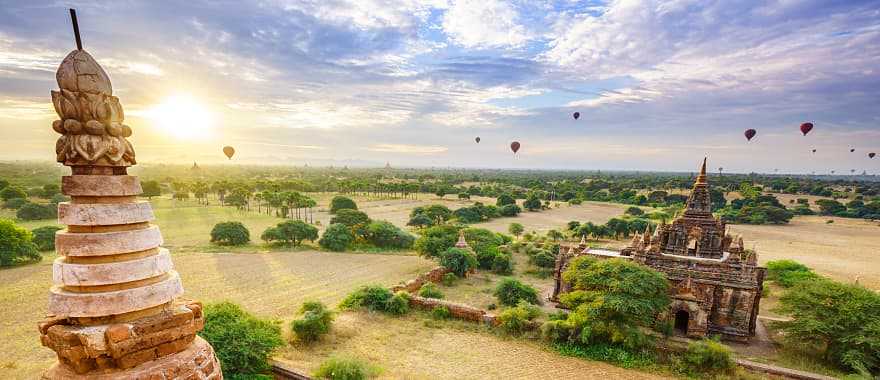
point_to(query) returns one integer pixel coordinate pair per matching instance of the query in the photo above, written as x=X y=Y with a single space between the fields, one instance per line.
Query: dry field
x=557 y=217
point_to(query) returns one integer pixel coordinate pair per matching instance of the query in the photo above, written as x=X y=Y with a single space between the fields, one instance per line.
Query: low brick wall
x=434 y=275
x=456 y=310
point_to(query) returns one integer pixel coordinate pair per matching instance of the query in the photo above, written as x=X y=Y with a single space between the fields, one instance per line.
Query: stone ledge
x=107 y=243
x=104 y=214
x=69 y=304
x=67 y=274
x=100 y=185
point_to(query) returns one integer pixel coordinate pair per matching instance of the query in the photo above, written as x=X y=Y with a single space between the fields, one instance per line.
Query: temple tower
x=114 y=306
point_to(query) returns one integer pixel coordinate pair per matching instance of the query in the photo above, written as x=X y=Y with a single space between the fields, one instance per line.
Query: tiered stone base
x=197 y=361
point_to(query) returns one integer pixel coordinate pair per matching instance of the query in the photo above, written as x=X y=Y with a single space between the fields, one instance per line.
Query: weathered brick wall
x=434 y=275
x=456 y=310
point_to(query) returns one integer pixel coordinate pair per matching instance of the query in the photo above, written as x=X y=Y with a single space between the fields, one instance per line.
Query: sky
x=658 y=84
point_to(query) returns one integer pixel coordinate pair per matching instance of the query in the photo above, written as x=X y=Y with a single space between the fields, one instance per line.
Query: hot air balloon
x=872 y=154
x=514 y=146
x=228 y=151
x=750 y=133
x=806 y=128
x=852 y=150
x=477 y=139
x=832 y=172
x=814 y=151
x=852 y=170
x=576 y=115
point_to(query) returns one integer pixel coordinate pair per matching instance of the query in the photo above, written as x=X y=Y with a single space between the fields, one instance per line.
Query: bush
x=337 y=237
x=290 y=232
x=16 y=244
x=383 y=234
x=449 y=279
x=607 y=353
x=543 y=259
x=515 y=320
x=838 y=319
x=510 y=210
x=634 y=211
x=315 y=321
x=341 y=368
x=44 y=237
x=515 y=229
x=436 y=240
x=354 y=219
x=12 y=192
x=15 y=203
x=376 y=298
x=440 y=312
x=430 y=290
x=706 y=357
x=458 y=260
x=511 y=291
x=342 y=203
x=502 y=264
x=33 y=211
x=230 y=233
x=242 y=342
x=787 y=273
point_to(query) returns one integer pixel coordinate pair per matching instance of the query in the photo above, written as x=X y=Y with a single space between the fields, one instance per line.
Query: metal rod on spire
x=79 y=45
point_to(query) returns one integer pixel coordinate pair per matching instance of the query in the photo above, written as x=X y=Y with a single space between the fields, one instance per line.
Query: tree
x=44 y=237
x=230 y=233
x=830 y=207
x=511 y=291
x=510 y=210
x=505 y=199
x=151 y=189
x=50 y=190
x=838 y=319
x=468 y=215
x=532 y=202
x=10 y=192
x=383 y=234
x=420 y=221
x=291 y=232
x=435 y=240
x=354 y=219
x=464 y=195
x=515 y=229
x=243 y=342
x=33 y=211
x=458 y=260
x=15 y=203
x=341 y=203
x=315 y=321
x=16 y=244
x=634 y=211
x=337 y=237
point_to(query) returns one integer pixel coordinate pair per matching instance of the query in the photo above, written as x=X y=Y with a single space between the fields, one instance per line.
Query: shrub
x=16 y=244
x=15 y=203
x=504 y=200
x=33 y=211
x=543 y=259
x=458 y=260
x=11 y=192
x=787 y=273
x=44 y=237
x=607 y=353
x=440 y=312
x=502 y=263
x=315 y=321
x=515 y=229
x=515 y=320
x=376 y=298
x=430 y=290
x=705 y=357
x=383 y=234
x=354 y=219
x=449 y=279
x=511 y=291
x=342 y=203
x=337 y=237
x=436 y=240
x=342 y=368
x=290 y=232
x=634 y=211
x=242 y=342
x=230 y=233
x=838 y=319
x=509 y=210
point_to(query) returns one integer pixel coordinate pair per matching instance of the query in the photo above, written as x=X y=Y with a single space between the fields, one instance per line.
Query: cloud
x=484 y=24
x=408 y=149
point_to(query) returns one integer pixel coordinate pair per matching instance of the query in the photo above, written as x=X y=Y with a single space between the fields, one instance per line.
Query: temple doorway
x=681 y=322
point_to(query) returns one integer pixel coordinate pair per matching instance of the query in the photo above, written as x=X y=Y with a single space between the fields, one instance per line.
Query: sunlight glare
x=183 y=117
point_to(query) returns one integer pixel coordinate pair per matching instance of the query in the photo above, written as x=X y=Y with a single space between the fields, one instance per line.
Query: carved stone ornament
x=90 y=124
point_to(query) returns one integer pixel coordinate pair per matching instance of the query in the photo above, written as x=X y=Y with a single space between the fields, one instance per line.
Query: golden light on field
x=182 y=116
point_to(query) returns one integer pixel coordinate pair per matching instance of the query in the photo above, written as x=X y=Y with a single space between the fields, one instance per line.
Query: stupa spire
x=699 y=203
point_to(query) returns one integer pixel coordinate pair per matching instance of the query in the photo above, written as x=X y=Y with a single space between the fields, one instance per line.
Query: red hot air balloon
x=514 y=146
x=576 y=115
x=228 y=151
x=872 y=154
x=806 y=128
x=477 y=139
x=750 y=133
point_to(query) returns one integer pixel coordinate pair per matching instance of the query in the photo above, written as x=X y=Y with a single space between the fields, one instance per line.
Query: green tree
x=151 y=189
x=10 y=192
x=44 y=237
x=515 y=229
x=383 y=234
x=511 y=291
x=34 y=211
x=16 y=244
x=420 y=221
x=337 y=237
x=436 y=240
x=458 y=260
x=505 y=199
x=230 y=233
x=341 y=203
x=532 y=202
x=510 y=210
x=243 y=342
x=314 y=323
x=50 y=190
x=291 y=232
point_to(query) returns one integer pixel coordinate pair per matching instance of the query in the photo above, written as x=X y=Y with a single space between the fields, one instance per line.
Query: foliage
x=11 y=192
x=787 y=273
x=543 y=259
x=634 y=211
x=383 y=234
x=706 y=357
x=341 y=203
x=436 y=240
x=755 y=208
x=44 y=237
x=337 y=237
x=343 y=368
x=515 y=229
x=458 y=260
x=532 y=202
x=426 y=216
x=16 y=244
x=34 y=211
x=151 y=189
x=376 y=298
x=504 y=200
x=242 y=342
x=15 y=203
x=430 y=290
x=315 y=322
x=515 y=320
x=510 y=210
x=839 y=320
x=449 y=279
x=613 y=301
x=440 y=312
x=502 y=263
x=230 y=233
x=350 y=217
x=511 y=291
x=608 y=353
x=291 y=232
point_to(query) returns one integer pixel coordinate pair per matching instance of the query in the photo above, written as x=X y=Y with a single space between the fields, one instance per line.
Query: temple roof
x=699 y=203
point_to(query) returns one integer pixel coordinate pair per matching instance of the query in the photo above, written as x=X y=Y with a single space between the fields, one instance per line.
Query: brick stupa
x=114 y=307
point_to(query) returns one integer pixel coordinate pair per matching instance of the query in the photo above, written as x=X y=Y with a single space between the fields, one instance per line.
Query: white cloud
x=484 y=24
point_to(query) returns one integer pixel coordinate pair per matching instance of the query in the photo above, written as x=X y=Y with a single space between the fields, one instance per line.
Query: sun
x=182 y=116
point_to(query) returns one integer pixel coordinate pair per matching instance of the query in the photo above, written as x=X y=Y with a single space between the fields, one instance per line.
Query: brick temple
x=715 y=283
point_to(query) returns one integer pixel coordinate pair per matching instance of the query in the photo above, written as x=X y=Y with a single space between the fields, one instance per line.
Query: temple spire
x=699 y=202
x=702 y=177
